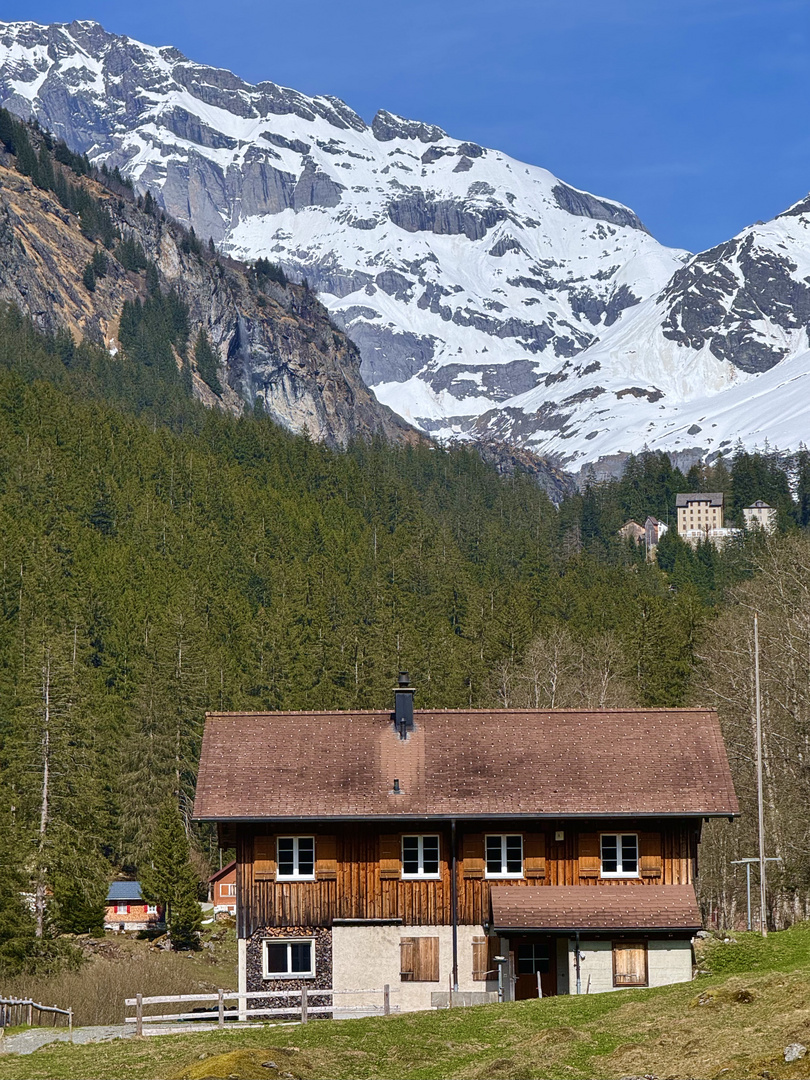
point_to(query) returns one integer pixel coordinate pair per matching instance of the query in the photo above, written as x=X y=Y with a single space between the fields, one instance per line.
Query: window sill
x=421 y=877
x=503 y=877
x=289 y=976
x=626 y=877
x=295 y=877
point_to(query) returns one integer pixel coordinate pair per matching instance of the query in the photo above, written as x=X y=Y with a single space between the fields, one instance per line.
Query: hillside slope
x=489 y=299
x=734 y=1022
x=274 y=344
x=465 y=277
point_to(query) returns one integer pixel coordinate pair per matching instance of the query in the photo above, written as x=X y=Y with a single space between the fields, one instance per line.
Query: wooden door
x=533 y=957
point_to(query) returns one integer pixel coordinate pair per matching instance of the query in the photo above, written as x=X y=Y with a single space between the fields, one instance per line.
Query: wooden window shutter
x=419 y=959
x=651 y=864
x=484 y=950
x=406 y=959
x=472 y=855
x=534 y=855
x=590 y=861
x=629 y=963
x=390 y=856
x=264 y=858
x=325 y=858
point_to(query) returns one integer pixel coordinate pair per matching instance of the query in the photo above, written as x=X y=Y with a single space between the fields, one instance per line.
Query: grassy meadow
x=732 y=1022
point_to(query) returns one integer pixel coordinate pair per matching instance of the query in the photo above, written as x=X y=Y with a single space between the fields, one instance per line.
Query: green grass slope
x=733 y=1022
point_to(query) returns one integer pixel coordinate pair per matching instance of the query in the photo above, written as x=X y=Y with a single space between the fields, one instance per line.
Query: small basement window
x=630 y=963
x=420 y=856
x=504 y=856
x=296 y=858
x=288 y=959
x=619 y=855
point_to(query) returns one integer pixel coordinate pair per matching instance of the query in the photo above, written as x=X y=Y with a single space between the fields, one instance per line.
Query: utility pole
x=763 y=921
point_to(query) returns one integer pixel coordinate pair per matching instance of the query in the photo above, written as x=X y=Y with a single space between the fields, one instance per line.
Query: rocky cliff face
x=275 y=344
x=488 y=299
x=463 y=276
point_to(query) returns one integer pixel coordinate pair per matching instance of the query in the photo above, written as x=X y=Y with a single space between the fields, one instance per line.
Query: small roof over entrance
x=584 y=907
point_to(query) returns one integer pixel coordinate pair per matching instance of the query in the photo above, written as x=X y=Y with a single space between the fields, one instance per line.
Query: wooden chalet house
x=125 y=908
x=413 y=848
x=222 y=889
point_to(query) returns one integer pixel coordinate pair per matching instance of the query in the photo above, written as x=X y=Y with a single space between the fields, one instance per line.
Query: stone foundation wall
x=323 y=968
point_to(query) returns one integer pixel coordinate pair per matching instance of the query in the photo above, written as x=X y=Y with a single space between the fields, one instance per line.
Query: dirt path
x=26 y=1042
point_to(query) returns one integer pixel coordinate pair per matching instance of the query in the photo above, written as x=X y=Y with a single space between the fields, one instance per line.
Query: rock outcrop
x=276 y=344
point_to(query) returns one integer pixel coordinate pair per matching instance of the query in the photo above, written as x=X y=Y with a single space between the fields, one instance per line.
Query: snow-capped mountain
x=488 y=298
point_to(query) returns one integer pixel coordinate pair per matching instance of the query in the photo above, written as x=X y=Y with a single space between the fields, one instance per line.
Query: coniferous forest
x=160 y=559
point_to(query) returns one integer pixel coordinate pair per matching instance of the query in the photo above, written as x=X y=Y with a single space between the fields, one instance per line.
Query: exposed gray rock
x=464 y=165
x=190 y=127
x=396 y=285
x=315 y=188
x=471 y=150
x=434 y=153
x=328 y=277
x=495 y=381
x=720 y=296
x=389 y=355
x=415 y=213
x=295 y=145
x=386 y=126
x=795 y=1052
x=506 y=243
x=582 y=204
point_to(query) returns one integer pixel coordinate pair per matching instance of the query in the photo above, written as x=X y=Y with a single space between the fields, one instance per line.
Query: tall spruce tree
x=169 y=879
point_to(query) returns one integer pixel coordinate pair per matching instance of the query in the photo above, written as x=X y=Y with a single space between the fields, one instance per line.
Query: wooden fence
x=296 y=1005
x=14 y=1011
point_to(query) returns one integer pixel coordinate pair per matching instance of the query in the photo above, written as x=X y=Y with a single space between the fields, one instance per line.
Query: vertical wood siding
x=360 y=892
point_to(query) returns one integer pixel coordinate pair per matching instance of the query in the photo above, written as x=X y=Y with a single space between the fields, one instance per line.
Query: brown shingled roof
x=584 y=907
x=467 y=763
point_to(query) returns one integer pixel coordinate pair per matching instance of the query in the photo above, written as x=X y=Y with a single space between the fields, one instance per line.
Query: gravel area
x=26 y=1042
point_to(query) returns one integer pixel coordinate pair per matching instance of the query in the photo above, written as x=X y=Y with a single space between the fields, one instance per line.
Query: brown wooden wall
x=350 y=884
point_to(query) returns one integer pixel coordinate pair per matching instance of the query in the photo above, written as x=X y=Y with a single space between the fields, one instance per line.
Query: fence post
x=30 y=1014
x=304 y=1005
x=221 y=1009
x=386 y=1000
x=139 y=1014
x=70 y=1024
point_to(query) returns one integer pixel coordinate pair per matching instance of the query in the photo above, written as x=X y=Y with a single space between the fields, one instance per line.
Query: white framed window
x=420 y=857
x=504 y=856
x=122 y=909
x=229 y=889
x=295 y=857
x=288 y=958
x=619 y=854
x=151 y=909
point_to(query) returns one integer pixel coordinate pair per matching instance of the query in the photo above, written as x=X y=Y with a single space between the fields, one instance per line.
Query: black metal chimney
x=403 y=705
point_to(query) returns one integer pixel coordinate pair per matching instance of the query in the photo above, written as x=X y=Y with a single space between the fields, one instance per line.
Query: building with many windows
x=496 y=853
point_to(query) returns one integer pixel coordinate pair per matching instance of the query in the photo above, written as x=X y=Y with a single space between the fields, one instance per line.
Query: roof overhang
x=562 y=909
x=625 y=815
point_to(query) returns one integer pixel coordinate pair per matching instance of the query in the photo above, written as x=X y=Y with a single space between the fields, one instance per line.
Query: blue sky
x=693 y=112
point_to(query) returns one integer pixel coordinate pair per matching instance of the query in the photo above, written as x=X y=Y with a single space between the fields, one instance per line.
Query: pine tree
x=206 y=360
x=168 y=877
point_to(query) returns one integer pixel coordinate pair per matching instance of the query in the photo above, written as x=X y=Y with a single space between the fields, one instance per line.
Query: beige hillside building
x=699 y=511
x=759 y=515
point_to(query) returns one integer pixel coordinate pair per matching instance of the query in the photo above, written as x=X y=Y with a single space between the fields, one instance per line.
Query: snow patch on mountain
x=488 y=297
